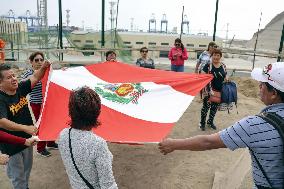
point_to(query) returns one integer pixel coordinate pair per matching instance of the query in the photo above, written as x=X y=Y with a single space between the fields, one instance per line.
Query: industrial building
x=159 y=43
x=16 y=31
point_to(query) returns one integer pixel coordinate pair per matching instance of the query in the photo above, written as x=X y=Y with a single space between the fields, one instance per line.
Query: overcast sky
x=242 y=15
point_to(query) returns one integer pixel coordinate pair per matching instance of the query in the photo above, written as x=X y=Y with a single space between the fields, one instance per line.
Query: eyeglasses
x=144 y=51
x=177 y=44
x=214 y=46
x=38 y=59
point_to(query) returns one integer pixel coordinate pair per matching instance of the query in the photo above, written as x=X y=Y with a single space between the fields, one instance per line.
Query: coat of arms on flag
x=138 y=105
x=121 y=93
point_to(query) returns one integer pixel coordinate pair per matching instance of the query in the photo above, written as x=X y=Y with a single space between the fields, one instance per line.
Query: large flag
x=139 y=105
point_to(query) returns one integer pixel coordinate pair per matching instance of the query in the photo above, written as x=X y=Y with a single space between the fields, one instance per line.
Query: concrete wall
x=155 y=42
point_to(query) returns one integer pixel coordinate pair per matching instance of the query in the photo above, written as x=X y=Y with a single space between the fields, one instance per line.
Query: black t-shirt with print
x=15 y=108
x=219 y=76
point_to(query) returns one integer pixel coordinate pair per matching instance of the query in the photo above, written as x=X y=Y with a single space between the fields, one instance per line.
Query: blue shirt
x=36 y=94
x=264 y=140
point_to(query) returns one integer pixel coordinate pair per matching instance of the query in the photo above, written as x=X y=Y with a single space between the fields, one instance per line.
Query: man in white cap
x=259 y=136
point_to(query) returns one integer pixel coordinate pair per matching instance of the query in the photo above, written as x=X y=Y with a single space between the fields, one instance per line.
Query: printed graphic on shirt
x=15 y=108
x=121 y=93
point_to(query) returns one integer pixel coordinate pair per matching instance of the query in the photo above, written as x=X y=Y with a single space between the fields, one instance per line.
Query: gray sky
x=242 y=15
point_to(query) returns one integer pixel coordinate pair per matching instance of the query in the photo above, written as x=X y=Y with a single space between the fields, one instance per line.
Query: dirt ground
x=143 y=166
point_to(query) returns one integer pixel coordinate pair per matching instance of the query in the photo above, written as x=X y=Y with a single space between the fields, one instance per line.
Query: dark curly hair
x=34 y=54
x=84 y=108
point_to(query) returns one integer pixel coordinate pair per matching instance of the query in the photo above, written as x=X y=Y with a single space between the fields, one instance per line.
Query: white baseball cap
x=272 y=74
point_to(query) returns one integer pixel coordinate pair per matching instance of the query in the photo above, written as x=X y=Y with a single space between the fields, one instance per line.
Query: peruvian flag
x=139 y=105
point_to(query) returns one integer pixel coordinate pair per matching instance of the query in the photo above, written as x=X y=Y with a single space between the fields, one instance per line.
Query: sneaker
x=211 y=125
x=44 y=153
x=54 y=146
x=202 y=126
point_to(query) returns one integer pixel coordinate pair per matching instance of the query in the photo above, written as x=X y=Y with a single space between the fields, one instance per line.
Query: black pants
x=213 y=106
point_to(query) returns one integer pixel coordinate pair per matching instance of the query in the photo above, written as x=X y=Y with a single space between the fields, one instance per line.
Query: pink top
x=177 y=56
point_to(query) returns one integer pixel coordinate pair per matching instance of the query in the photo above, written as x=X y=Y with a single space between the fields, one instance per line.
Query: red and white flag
x=138 y=105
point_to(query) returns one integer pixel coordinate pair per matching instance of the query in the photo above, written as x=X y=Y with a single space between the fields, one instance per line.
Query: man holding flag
x=16 y=119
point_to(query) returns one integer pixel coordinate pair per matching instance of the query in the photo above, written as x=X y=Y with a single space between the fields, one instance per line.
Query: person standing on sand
x=218 y=70
x=14 y=117
x=86 y=157
x=252 y=132
x=177 y=55
x=36 y=60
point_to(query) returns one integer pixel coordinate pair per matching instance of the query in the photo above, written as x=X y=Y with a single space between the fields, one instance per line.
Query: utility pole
x=60 y=30
x=253 y=61
x=103 y=28
x=232 y=41
x=281 y=45
x=181 y=27
x=115 y=31
x=227 y=32
x=216 y=16
x=112 y=19
x=103 y=25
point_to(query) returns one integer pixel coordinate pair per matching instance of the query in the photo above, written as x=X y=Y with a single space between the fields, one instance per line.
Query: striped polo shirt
x=36 y=94
x=264 y=140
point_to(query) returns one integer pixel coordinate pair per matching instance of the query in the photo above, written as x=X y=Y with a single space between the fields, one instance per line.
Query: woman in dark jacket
x=144 y=61
x=218 y=70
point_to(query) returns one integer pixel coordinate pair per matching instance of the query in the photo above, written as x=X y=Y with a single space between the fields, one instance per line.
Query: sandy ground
x=143 y=166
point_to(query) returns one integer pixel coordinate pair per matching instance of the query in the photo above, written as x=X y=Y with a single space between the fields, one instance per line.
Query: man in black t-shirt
x=15 y=118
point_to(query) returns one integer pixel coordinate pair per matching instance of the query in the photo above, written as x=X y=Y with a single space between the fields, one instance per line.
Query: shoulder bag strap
x=83 y=178
x=275 y=120
x=278 y=123
x=261 y=168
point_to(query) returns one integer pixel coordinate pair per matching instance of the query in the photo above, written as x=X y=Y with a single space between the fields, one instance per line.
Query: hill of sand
x=269 y=37
x=142 y=166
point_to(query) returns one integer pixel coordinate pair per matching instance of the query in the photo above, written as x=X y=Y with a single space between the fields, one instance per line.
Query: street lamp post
x=216 y=16
x=60 y=29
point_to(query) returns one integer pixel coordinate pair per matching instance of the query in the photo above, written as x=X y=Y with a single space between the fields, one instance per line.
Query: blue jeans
x=176 y=68
x=19 y=168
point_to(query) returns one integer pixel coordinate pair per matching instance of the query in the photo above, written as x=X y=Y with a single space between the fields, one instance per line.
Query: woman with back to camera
x=218 y=70
x=144 y=61
x=90 y=163
x=178 y=55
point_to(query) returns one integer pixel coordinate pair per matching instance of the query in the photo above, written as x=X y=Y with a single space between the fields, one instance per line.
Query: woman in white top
x=205 y=57
x=92 y=161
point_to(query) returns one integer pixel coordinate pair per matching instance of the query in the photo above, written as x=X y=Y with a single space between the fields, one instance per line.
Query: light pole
x=60 y=29
x=280 y=45
x=103 y=25
x=216 y=16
